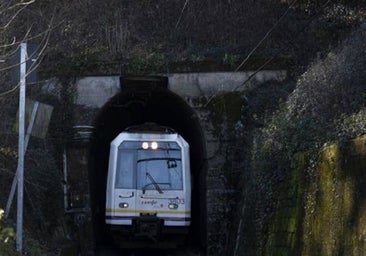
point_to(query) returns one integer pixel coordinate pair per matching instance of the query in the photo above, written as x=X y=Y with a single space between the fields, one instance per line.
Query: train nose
x=156 y=105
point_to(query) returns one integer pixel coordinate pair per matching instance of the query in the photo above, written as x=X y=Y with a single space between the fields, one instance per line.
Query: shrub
x=6 y=236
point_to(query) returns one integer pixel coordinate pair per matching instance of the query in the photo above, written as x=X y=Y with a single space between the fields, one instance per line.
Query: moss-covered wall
x=321 y=209
x=283 y=235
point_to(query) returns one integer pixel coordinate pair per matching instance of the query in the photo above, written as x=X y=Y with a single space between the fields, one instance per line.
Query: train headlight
x=123 y=205
x=154 y=145
x=173 y=206
x=145 y=145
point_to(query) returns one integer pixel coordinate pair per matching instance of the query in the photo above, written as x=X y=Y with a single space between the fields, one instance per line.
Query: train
x=148 y=192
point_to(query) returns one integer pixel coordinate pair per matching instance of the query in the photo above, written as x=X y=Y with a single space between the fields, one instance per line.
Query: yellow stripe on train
x=145 y=211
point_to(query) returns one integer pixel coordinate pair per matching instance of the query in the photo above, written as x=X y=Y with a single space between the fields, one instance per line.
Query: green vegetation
x=304 y=203
x=324 y=213
x=6 y=237
x=90 y=36
x=271 y=123
x=43 y=209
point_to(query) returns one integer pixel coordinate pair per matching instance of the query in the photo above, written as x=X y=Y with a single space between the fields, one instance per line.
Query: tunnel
x=141 y=100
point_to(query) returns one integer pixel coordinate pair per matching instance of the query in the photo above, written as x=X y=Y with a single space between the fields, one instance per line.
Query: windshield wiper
x=158 y=159
x=156 y=185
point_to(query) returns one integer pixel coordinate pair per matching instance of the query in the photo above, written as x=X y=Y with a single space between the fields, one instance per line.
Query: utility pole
x=20 y=173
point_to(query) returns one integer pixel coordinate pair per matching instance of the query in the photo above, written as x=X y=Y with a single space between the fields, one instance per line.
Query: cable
x=266 y=35
x=297 y=35
x=181 y=14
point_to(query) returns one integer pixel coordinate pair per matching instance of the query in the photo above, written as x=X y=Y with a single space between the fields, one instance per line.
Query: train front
x=148 y=196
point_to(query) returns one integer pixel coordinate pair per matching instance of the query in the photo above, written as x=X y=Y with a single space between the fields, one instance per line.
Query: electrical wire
x=266 y=35
x=181 y=14
x=291 y=42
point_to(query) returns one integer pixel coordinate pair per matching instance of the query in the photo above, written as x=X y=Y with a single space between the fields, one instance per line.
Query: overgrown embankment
x=321 y=209
x=296 y=203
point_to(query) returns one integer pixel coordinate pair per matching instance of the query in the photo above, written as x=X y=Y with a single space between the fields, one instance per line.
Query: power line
x=266 y=35
x=291 y=42
x=181 y=14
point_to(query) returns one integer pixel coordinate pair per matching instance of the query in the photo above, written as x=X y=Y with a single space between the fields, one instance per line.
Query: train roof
x=150 y=128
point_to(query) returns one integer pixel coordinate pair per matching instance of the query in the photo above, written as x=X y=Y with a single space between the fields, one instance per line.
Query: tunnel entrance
x=147 y=100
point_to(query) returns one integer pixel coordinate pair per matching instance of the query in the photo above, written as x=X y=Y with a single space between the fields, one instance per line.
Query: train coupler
x=148 y=226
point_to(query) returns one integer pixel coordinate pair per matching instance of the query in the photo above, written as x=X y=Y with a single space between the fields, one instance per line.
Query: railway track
x=149 y=252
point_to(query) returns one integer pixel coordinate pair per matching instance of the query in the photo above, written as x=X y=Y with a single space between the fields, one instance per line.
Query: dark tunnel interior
x=133 y=107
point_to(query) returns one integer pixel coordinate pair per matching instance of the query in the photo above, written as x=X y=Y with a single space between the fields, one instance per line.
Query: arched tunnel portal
x=136 y=106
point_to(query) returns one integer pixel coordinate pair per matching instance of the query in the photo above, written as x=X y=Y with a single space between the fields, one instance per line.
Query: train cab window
x=150 y=168
x=161 y=167
x=125 y=175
